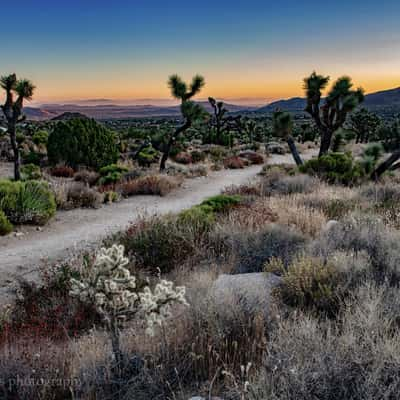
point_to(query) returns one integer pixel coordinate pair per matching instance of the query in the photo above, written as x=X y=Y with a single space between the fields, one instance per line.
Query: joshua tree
x=218 y=120
x=364 y=123
x=189 y=109
x=283 y=126
x=341 y=100
x=13 y=110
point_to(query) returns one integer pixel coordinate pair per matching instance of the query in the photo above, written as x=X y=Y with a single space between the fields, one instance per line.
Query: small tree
x=190 y=110
x=331 y=116
x=109 y=286
x=364 y=123
x=283 y=126
x=13 y=111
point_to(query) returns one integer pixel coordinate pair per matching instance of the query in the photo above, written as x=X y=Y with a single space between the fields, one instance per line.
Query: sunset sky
x=257 y=50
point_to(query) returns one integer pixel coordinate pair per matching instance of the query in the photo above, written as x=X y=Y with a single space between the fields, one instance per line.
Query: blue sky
x=261 y=49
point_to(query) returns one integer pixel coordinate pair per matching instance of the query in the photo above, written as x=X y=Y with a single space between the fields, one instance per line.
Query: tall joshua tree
x=218 y=120
x=283 y=126
x=13 y=110
x=341 y=100
x=190 y=110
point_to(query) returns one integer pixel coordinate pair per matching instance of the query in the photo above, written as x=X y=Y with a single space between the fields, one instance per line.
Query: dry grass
x=159 y=185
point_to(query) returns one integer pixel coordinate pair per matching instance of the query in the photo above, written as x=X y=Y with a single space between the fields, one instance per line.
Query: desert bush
x=86 y=176
x=252 y=157
x=183 y=158
x=285 y=169
x=198 y=156
x=364 y=233
x=110 y=196
x=234 y=162
x=62 y=171
x=253 y=249
x=243 y=190
x=82 y=142
x=47 y=310
x=40 y=137
x=222 y=202
x=29 y=202
x=5 y=225
x=149 y=185
x=334 y=168
x=333 y=208
x=79 y=194
x=30 y=172
x=276 y=184
x=163 y=243
x=147 y=156
x=357 y=359
x=111 y=174
x=309 y=284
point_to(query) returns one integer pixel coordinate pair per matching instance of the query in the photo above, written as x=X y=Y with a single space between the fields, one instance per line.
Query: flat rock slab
x=252 y=291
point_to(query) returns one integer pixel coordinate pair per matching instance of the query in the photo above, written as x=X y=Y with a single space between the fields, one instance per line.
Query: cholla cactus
x=111 y=288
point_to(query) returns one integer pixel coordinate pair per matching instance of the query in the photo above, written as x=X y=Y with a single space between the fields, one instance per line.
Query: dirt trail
x=73 y=231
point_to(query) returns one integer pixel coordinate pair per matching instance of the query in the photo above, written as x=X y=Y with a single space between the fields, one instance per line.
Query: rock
x=330 y=224
x=275 y=148
x=18 y=234
x=252 y=291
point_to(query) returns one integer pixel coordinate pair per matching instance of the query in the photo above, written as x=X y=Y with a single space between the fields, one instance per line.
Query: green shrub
x=163 y=243
x=5 y=225
x=27 y=202
x=201 y=218
x=111 y=174
x=30 y=172
x=308 y=284
x=40 y=137
x=147 y=156
x=198 y=156
x=334 y=168
x=82 y=142
x=222 y=202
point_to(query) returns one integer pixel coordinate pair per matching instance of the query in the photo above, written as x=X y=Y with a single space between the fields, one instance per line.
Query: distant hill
x=69 y=115
x=110 y=111
x=378 y=102
x=293 y=105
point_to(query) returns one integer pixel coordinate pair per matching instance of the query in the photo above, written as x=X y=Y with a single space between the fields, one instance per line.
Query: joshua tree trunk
x=293 y=150
x=17 y=160
x=326 y=139
x=385 y=165
x=171 y=141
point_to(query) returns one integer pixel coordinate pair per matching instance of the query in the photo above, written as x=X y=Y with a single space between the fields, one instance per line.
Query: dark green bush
x=198 y=156
x=5 y=225
x=222 y=202
x=30 y=171
x=334 y=168
x=27 y=202
x=82 y=142
x=40 y=137
x=32 y=157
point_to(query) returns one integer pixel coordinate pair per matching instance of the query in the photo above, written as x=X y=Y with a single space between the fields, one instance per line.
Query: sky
x=249 y=51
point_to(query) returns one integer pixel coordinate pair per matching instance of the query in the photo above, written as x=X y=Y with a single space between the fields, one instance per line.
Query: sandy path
x=73 y=231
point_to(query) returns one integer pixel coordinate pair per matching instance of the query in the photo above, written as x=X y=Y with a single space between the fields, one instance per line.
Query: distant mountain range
x=379 y=101
x=110 y=111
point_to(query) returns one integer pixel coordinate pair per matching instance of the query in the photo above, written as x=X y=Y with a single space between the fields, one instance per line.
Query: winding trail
x=72 y=231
